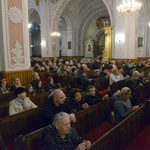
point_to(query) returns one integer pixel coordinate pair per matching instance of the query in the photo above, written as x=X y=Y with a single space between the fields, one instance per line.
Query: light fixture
x=149 y=24
x=120 y=38
x=129 y=7
x=43 y=43
x=29 y=25
x=56 y=34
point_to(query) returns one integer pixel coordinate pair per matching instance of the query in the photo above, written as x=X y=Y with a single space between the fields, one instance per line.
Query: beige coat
x=15 y=107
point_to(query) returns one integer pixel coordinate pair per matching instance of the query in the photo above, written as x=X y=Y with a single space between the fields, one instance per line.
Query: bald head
x=59 y=97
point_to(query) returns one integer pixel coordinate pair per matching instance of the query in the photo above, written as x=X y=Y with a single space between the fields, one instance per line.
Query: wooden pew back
x=22 y=123
x=146 y=91
x=4 y=108
x=6 y=97
x=101 y=84
x=86 y=118
x=38 y=99
x=64 y=80
x=121 y=135
x=85 y=122
x=44 y=75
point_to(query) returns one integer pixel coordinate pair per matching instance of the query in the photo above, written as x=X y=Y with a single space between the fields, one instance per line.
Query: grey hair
x=58 y=117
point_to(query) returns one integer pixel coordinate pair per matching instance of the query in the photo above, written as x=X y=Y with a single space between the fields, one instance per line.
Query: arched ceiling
x=80 y=8
x=82 y=14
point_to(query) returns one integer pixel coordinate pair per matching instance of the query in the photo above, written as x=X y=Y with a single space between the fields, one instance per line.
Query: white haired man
x=61 y=136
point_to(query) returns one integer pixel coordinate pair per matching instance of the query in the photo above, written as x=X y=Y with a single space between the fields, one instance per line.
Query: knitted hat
x=19 y=90
x=3 y=80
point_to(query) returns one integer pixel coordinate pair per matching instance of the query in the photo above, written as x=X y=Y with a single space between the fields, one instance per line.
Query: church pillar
x=45 y=31
x=126 y=35
x=14 y=39
x=107 y=53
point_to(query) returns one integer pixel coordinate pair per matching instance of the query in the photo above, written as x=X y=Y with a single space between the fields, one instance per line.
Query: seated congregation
x=81 y=90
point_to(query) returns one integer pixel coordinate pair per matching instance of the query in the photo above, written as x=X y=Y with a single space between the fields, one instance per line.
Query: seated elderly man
x=55 y=104
x=61 y=136
x=21 y=103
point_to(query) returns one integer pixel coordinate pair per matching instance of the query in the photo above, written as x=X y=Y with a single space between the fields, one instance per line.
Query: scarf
x=22 y=102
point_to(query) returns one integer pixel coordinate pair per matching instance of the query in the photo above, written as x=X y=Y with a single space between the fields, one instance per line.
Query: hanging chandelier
x=55 y=34
x=129 y=7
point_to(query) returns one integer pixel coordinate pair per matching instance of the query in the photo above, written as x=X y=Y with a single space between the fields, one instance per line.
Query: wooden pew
x=6 y=97
x=121 y=135
x=138 y=94
x=38 y=99
x=146 y=91
x=101 y=84
x=121 y=84
x=22 y=123
x=4 y=109
x=86 y=118
x=85 y=122
x=44 y=75
x=64 y=80
x=114 y=88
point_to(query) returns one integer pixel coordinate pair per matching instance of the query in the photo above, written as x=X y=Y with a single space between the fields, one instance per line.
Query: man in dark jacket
x=83 y=80
x=61 y=136
x=91 y=97
x=55 y=104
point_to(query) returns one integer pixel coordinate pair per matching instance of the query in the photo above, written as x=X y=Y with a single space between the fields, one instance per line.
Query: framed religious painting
x=140 y=42
x=69 y=45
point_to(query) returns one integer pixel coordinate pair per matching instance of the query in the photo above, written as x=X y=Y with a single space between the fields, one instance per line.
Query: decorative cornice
x=15 y=14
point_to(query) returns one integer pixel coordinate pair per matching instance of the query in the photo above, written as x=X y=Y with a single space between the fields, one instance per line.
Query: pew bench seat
x=99 y=131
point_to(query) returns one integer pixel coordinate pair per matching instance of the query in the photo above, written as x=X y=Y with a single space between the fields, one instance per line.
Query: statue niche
x=99 y=43
x=88 y=48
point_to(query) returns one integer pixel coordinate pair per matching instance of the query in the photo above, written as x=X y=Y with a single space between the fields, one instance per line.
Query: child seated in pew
x=76 y=101
x=35 y=80
x=30 y=91
x=61 y=136
x=39 y=89
x=21 y=103
x=91 y=98
x=50 y=86
x=122 y=104
x=3 y=87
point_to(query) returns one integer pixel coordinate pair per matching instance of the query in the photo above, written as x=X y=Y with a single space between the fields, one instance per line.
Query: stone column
x=14 y=39
x=45 y=31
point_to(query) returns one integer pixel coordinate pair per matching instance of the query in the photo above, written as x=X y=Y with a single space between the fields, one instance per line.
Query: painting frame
x=69 y=45
x=140 y=41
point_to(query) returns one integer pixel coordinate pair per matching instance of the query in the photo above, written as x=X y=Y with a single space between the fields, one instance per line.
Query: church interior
x=50 y=46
